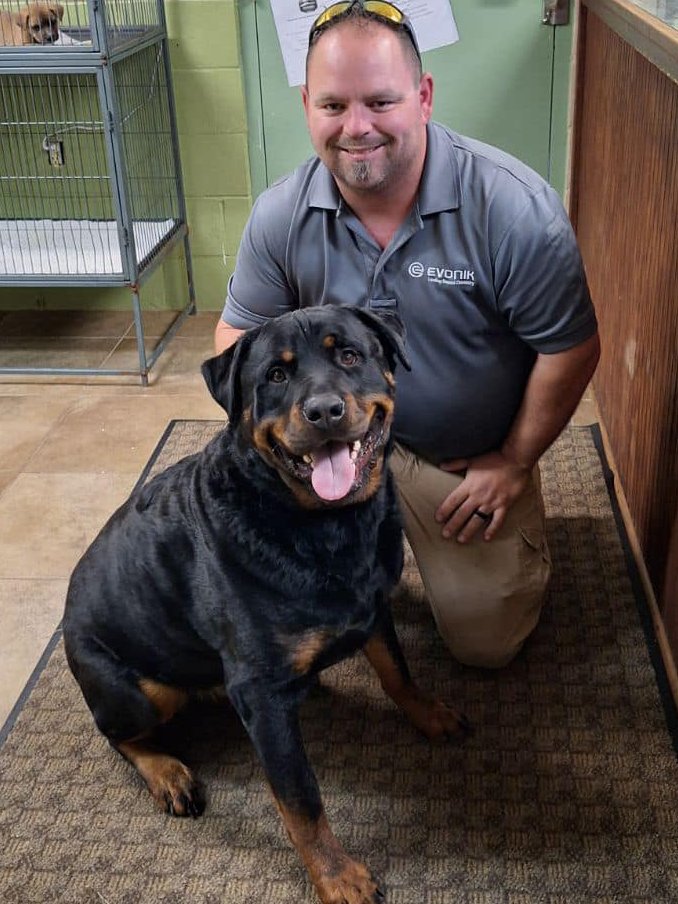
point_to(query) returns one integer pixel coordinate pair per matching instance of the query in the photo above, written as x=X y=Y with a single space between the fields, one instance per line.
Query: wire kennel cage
x=90 y=180
x=82 y=26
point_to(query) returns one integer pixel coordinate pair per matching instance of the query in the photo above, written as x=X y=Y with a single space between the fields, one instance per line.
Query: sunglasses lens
x=378 y=7
x=330 y=13
x=385 y=10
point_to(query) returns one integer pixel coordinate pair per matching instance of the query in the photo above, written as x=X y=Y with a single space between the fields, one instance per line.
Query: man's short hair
x=363 y=18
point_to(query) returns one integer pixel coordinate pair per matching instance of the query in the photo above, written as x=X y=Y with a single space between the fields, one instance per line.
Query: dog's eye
x=276 y=375
x=349 y=357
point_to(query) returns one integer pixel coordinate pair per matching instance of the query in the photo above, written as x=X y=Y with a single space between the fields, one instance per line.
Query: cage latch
x=54 y=148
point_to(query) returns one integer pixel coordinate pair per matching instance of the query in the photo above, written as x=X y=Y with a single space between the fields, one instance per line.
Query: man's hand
x=493 y=482
x=491 y=485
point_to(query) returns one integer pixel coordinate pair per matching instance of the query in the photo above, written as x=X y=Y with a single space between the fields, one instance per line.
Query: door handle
x=556 y=12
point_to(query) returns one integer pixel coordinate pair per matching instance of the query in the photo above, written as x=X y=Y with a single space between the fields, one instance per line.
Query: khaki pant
x=486 y=597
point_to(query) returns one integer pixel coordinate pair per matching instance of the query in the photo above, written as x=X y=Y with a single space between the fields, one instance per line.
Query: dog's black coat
x=226 y=569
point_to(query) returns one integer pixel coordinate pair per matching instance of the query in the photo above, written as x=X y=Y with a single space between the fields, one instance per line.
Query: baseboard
x=636 y=549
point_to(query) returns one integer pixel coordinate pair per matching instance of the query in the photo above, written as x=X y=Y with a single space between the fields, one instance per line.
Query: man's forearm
x=553 y=391
x=225 y=335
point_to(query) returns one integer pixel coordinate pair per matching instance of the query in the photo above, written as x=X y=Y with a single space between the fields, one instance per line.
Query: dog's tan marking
x=372 y=402
x=297 y=421
x=432 y=717
x=372 y=484
x=330 y=340
x=338 y=879
x=170 y=782
x=364 y=409
x=288 y=356
x=305 y=649
x=352 y=409
x=167 y=700
x=260 y=437
x=279 y=428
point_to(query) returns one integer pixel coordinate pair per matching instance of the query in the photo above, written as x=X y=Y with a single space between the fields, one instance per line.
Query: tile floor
x=71 y=451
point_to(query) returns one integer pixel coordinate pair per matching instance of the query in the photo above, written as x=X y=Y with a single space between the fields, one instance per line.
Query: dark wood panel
x=626 y=208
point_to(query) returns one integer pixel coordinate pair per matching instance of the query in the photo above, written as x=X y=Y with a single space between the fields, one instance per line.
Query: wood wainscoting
x=624 y=204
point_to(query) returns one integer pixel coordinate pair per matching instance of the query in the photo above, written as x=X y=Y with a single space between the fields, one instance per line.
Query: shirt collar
x=440 y=187
x=323 y=191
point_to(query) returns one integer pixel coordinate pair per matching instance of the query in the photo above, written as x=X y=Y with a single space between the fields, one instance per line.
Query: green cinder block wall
x=212 y=120
x=212 y=124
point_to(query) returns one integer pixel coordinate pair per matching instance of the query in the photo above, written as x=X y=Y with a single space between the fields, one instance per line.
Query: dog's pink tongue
x=333 y=471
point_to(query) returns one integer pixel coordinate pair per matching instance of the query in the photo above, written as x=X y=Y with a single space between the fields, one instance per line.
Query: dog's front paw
x=442 y=721
x=351 y=884
x=175 y=789
x=170 y=782
x=434 y=718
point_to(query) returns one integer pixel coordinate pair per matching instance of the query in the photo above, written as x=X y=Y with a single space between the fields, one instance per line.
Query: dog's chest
x=320 y=561
x=327 y=640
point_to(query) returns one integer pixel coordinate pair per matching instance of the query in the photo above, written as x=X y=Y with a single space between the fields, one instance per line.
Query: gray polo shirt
x=485 y=273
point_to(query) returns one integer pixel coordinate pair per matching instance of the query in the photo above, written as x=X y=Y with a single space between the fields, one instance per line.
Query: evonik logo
x=444 y=275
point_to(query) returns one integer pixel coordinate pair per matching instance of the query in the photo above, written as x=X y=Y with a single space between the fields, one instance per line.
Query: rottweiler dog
x=255 y=564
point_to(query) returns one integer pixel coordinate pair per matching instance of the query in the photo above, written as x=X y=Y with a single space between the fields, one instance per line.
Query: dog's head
x=39 y=22
x=313 y=392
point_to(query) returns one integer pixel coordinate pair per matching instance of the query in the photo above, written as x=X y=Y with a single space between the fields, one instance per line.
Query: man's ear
x=222 y=375
x=303 y=90
x=391 y=333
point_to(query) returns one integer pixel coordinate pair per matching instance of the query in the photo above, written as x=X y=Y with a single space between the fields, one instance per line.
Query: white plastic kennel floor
x=78 y=248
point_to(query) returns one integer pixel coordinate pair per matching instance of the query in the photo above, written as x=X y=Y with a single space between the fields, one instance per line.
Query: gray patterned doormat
x=567 y=793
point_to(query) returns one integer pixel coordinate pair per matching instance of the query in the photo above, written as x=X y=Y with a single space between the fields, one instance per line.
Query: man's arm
x=259 y=288
x=225 y=335
x=494 y=481
x=554 y=389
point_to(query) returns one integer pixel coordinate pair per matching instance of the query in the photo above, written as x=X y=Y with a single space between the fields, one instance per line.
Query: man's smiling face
x=366 y=107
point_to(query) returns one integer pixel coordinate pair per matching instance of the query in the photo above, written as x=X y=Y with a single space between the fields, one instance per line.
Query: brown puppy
x=37 y=23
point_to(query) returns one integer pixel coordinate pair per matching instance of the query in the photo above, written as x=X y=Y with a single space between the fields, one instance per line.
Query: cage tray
x=73 y=247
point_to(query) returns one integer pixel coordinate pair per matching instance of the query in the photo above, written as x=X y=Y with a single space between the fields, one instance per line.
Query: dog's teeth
x=357 y=446
x=307 y=458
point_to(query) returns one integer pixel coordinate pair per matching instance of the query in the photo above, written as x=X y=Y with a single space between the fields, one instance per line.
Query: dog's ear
x=222 y=375
x=57 y=10
x=391 y=333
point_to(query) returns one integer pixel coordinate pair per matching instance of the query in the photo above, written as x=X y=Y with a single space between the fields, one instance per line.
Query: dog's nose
x=323 y=411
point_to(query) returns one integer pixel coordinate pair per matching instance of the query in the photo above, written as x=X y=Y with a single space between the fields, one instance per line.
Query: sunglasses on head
x=380 y=9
